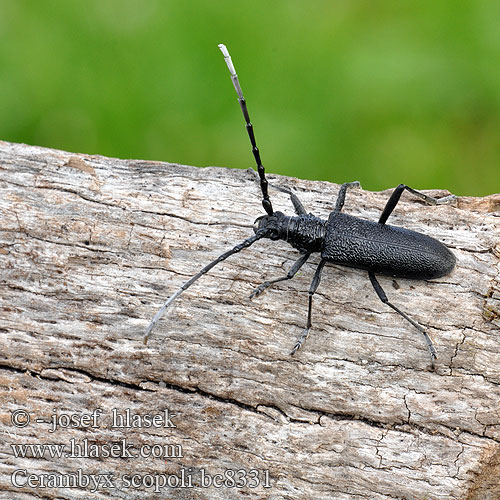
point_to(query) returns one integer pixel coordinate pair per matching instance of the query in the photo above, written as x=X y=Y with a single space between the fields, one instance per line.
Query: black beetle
x=342 y=239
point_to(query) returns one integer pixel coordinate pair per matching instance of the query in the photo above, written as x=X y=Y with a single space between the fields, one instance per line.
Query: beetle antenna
x=266 y=202
x=163 y=309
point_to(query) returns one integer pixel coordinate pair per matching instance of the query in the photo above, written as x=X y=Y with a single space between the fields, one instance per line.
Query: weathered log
x=90 y=247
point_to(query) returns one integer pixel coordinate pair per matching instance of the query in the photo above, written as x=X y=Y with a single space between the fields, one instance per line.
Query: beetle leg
x=396 y=195
x=312 y=290
x=297 y=204
x=383 y=297
x=293 y=271
x=342 y=192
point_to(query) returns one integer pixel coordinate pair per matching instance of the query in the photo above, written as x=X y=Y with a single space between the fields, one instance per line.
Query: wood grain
x=90 y=247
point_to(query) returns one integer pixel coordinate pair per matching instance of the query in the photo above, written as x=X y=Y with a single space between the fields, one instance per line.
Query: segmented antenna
x=266 y=202
x=238 y=248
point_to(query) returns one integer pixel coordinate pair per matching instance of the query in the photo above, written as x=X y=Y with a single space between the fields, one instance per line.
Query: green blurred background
x=377 y=91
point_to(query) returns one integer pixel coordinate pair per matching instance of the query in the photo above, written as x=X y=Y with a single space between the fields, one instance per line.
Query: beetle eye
x=274 y=234
x=257 y=224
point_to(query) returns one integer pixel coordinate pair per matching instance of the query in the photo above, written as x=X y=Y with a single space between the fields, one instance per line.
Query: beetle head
x=275 y=225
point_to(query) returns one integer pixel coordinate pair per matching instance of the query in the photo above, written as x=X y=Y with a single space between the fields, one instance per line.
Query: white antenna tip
x=228 y=60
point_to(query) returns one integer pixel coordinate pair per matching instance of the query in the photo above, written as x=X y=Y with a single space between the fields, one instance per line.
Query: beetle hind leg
x=396 y=195
x=383 y=297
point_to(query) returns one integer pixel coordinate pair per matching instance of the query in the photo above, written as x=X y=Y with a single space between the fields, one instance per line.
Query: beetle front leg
x=297 y=204
x=293 y=271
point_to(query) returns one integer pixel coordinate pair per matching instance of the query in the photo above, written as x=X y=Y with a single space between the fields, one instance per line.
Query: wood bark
x=90 y=247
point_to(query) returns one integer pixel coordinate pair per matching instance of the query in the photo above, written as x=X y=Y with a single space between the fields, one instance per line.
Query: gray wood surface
x=90 y=247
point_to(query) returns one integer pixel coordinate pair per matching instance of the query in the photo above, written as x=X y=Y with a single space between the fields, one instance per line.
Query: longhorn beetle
x=342 y=239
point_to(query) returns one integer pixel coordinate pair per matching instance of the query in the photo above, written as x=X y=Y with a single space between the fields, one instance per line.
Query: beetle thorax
x=306 y=233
